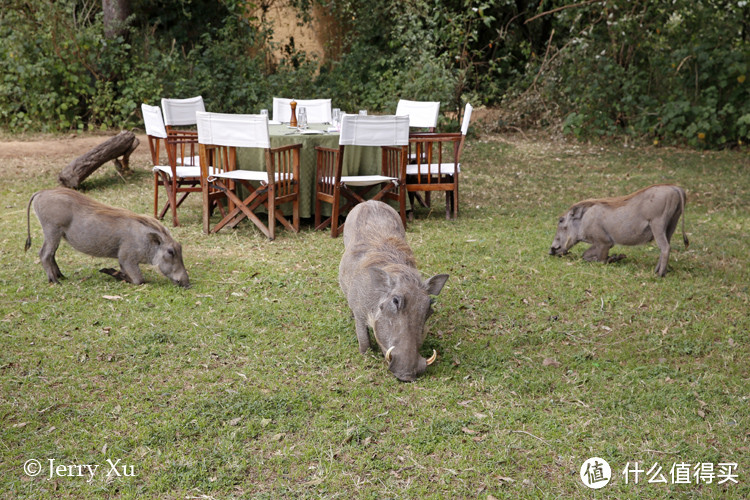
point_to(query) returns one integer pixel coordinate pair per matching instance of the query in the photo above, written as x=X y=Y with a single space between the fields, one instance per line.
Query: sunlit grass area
x=250 y=384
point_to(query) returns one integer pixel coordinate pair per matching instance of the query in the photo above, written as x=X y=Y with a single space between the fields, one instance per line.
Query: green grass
x=250 y=385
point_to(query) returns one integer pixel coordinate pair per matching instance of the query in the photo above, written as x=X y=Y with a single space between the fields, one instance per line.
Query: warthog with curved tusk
x=385 y=291
x=651 y=213
x=102 y=231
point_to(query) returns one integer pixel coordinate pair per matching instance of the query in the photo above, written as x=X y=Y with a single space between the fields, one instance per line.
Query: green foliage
x=47 y=65
x=59 y=72
x=673 y=72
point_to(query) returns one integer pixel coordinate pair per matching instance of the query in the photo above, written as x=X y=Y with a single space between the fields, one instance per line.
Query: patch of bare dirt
x=69 y=147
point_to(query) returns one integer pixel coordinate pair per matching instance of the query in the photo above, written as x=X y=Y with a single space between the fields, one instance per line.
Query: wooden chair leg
x=318 y=208
x=402 y=204
x=271 y=212
x=173 y=203
x=207 y=208
x=295 y=213
x=335 y=217
x=455 y=201
x=156 y=194
x=167 y=189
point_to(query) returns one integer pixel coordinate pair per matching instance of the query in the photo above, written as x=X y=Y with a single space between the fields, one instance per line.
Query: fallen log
x=123 y=144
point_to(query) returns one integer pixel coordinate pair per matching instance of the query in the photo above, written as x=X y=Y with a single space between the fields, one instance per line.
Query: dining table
x=358 y=160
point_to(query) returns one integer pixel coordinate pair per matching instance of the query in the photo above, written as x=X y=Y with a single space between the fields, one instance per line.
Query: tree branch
x=558 y=9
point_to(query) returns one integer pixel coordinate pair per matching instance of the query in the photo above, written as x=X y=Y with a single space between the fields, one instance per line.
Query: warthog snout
x=557 y=250
x=410 y=370
x=183 y=282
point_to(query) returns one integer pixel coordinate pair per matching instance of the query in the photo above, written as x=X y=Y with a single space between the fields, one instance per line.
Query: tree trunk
x=114 y=15
x=123 y=144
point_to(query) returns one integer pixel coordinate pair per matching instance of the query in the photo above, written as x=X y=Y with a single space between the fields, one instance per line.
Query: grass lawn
x=250 y=384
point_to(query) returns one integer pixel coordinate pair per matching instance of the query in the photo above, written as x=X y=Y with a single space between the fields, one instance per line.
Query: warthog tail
x=28 y=224
x=683 y=202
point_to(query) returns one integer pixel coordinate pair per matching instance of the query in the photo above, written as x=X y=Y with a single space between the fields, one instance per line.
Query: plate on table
x=312 y=132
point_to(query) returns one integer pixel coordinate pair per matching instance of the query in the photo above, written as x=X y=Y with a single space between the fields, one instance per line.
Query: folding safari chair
x=181 y=173
x=219 y=136
x=391 y=134
x=438 y=164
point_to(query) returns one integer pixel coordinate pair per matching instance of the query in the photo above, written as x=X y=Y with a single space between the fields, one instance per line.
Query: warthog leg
x=52 y=237
x=118 y=275
x=597 y=253
x=363 y=338
x=660 y=237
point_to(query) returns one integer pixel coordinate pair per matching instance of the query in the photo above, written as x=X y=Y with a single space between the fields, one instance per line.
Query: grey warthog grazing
x=385 y=291
x=649 y=214
x=102 y=231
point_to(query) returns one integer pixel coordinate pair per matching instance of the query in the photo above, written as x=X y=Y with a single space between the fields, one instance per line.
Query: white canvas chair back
x=318 y=110
x=373 y=130
x=467 y=118
x=422 y=114
x=153 y=121
x=282 y=112
x=233 y=130
x=181 y=112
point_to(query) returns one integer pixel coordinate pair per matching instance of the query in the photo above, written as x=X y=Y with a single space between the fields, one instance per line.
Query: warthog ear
x=435 y=284
x=155 y=238
x=577 y=211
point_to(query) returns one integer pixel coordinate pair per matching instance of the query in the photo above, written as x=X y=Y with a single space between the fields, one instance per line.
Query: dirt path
x=64 y=148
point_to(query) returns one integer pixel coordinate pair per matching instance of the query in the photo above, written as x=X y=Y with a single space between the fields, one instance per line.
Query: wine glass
x=302 y=119
x=336 y=117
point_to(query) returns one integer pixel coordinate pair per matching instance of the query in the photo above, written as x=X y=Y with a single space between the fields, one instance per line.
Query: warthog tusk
x=432 y=358
x=388 y=353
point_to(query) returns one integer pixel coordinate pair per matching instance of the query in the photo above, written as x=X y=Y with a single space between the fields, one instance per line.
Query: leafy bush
x=672 y=72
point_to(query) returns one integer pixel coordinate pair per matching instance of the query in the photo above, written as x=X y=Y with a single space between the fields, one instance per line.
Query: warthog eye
x=561 y=220
x=398 y=302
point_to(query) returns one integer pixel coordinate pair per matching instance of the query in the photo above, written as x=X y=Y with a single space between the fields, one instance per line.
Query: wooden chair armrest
x=435 y=137
x=280 y=149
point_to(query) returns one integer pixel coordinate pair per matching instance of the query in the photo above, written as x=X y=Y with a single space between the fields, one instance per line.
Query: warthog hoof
x=118 y=275
x=615 y=258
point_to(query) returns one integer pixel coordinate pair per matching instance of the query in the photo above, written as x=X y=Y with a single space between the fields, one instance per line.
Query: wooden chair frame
x=282 y=165
x=181 y=174
x=331 y=186
x=426 y=175
x=181 y=151
x=436 y=168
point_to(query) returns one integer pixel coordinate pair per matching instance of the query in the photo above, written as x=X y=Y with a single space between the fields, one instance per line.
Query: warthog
x=385 y=291
x=649 y=214
x=102 y=231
